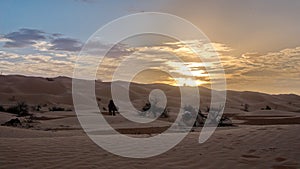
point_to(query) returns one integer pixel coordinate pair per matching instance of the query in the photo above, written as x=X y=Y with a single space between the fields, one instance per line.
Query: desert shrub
x=12 y=122
x=49 y=79
x=268 y=108
x=148 y=108
x=207 y=109
x=68 y=109
x=186 y=117
x=165 y=113
x=54 y=108
x=2 y=108
x=225 y=121
x=21 y=109
x=12 y=109
x=189 y=108
x=36 y=108
x=246 y=107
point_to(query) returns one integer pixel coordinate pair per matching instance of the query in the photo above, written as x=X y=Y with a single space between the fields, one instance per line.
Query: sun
x=187 y=82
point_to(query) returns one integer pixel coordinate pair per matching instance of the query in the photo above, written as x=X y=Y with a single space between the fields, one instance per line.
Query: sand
x=243 y=147
x=258 y=139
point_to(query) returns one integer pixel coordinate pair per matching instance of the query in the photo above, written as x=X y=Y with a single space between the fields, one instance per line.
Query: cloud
x=37 y=58
x=285 y=62
x=56 y=55
x=35 y=64
x=42 y=46
x=118 y=50
x=175 y=58
x=23 y=38
x=6 y=56
x=273 y=72
x=40 y=40
x=66 y=44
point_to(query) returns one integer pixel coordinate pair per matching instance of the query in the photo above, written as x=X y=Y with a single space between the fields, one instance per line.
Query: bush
x=148 y=108
x=68 y=109
x=36 y=108
x=207 y=109
x=12 y=109
x=13 y=122
x=54 y=108
x=21 y=109
x=49 y=79
x=246 y=107
x=165 y=113
x=189 y=108
x=268 y=108
x=2 y=108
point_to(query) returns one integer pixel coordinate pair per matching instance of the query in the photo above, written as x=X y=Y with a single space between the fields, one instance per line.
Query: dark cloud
x=23 y=38
x=120 y=50
x=28 y=37
x=66 y=44
x=116 y=51
x=57 y=34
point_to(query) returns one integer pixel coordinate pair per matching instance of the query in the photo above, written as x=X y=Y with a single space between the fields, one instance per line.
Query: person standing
x=112 y=108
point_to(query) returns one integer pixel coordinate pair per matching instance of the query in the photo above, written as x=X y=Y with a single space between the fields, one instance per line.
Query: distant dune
x=58 y=91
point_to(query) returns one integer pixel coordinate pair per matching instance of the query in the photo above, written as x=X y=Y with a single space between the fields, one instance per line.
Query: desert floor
x=58 y=142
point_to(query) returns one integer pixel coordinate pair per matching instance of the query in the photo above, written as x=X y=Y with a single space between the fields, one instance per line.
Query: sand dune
x=58 y=91
x=260 y=138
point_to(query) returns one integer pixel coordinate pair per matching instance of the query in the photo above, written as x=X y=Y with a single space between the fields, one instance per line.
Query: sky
x=258 y=41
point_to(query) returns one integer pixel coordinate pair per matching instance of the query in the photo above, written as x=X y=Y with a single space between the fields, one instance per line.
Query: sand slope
x=58 y=91
x=275 y=147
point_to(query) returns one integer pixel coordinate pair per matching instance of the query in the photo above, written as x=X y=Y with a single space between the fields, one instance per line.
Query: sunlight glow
x=187 y=82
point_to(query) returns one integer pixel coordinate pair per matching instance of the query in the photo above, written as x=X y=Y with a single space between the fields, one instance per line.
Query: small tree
x=187 y=117
x=165 y=113
x=36 y=108
x=2 y=108
x=21 y=109
x=152 y=108
x=189 y=108
x=207 y=109
x=55 y=108
x=246 y=107
x=268 y=108
x=146 y=107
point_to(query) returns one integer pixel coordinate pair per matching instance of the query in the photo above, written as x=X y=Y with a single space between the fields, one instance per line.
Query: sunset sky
x=258 y=41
